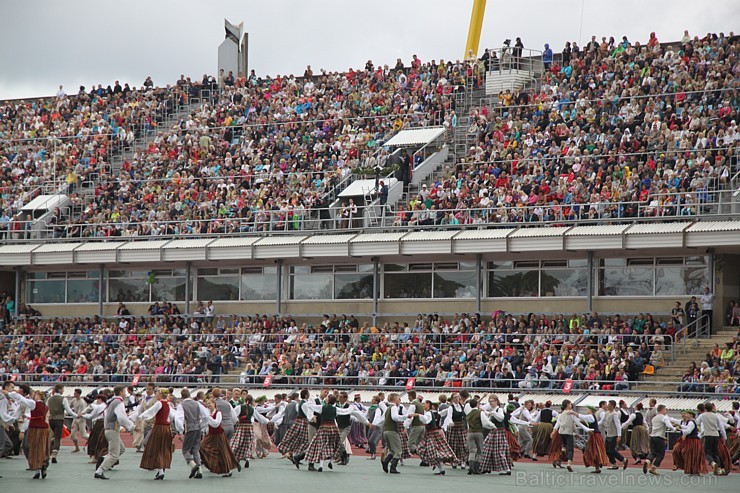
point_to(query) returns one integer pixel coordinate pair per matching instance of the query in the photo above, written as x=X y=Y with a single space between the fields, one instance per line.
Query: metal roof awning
x=415 y=136
x=16 y=255
x=97 y=252
x=46 y=202
x=427 y=242
x=655 y=235
x=595 y=237
x=361 y=188
x=186 y=250
x=326 y=245
x=55 y=253
x=374 y=244
x=713 y=233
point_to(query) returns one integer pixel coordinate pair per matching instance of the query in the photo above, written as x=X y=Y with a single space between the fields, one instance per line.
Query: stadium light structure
x=232 y=53
x=476 y=26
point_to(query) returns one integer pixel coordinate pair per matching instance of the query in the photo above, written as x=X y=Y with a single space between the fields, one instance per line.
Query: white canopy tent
x=415 y=137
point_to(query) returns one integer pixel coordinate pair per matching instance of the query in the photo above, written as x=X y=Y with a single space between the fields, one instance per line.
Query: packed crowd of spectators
x=503 y=350
x=719 y=371
x=613 y=130
x=260 y=153
x=52 y=145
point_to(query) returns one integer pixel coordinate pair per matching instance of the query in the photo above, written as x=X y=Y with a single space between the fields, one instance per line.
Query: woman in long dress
x=158 y=451
x=39 y=446
x=541 y=434
x=262 y=436
x=434 y=449
x=215 y=452
x=95 y=415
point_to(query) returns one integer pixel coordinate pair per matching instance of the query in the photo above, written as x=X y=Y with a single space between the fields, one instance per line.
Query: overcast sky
x=44 y=43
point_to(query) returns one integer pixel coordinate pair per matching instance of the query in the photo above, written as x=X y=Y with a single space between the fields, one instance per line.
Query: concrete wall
x=726 y=285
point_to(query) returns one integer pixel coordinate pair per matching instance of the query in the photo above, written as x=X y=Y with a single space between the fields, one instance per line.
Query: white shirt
x=153 y=410
x=120 y=412
x=96 y=411
x=23 y=409
x=180 y=416
x=707 y=300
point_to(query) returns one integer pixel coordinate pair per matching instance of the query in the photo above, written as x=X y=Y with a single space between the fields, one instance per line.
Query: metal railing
x=306 y=220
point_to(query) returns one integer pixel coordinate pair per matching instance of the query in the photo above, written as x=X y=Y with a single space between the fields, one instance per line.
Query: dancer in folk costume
x=242 y=443
x=713 y=429
x=344 y=424
x=659 y=426
x=97 y=445
x=733 y=438
x=525 y=413
x=457 y=431
x=677 y=452
x=544 y=418
x=375 y=417
x=325 y=444
x=283 y=416
x=624 y=415
x=37 y=435
x=404 y=434
x=158 y=451
x=191 y=417
x=692 y=451
x=295 y=442
x=114 y=418
x=434 y=449
x=496 y=454
x=214 y=449
x=639 y=439
x=473 y=418
x=262 y=437
x=611 y=423
x=358 y=435
x=595 y=453
x=391 y=438
x=514 y=447
x=565 y=428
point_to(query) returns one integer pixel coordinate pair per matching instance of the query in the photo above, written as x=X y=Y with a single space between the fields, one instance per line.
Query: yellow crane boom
x=476 y=26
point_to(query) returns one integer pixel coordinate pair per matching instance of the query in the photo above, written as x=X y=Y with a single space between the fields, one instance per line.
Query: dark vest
x=343 y=421
x=639 y=419
x=388 y=423
x=301 y=414
x=328 y=414
x=458 y=416
x=546 y=415
x=434 y=424
x=418 y=408
x=246 y=414
x=695 y=432
x=474 y=424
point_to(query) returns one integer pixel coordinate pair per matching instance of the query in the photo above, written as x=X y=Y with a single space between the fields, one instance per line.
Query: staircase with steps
x=666 y=378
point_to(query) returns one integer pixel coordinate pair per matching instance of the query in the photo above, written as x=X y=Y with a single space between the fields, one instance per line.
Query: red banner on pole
x=137 y=377
x=568 y=385
x=268 y=380
x=410 y=383
x=13 y=377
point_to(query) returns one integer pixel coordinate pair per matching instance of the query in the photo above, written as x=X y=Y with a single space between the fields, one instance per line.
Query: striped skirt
x=404 y=436
x=693 y=457
x=541 y=439
x=640 y=442
x=93 y=441
x=457 y=438
x=595 y=454
x=434 y=448
x=357 y=435
x=496 y=456
x=242 y=442
x=514 y=447
x=677 y=453
x=216 y=454
x=556 y=452
x=733 y=445
x=39 y=448
x=158 y=450
x=724 y=456
x=324 y=445
x=295 y=440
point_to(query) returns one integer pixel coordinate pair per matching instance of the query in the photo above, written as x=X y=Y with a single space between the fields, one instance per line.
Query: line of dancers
x=221 y=430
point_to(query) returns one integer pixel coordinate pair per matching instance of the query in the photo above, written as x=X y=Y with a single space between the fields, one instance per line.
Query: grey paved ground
x=73 y=474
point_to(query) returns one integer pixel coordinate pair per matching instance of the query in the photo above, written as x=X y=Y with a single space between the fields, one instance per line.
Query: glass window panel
x=311 y=287
x=207 y=272
x=446 y=266
x=614 y=262
x=408 y=285
x=669 y=281
x=696 y=279
x=229 y=271
x=468 y=265
x=500 y=265
x=259 y=287
x=83 y=291
x=455 y=284
x=76 y=275
x=252 y=270
x=322 y=268
x=168 y=289
x=365 y=268
x=626 y=282
x=46 y=291
x=118 y=273
x=56 y=275
x=162 y=272
x=353 y=286
x=513 y=283
x=224 y=288
x=394 y=267
x=420 y=267
x=564 y=282
x=128 y=290
x=345 y=268
x=577 y=263
x=36 y=275
x=270 y=270
x=300 y=269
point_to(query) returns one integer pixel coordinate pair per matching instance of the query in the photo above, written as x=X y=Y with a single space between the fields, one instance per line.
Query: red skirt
x=158 y=450
x=39 y=448
x=217 y=455
x=724 y=456
x=677 y=453
x=434 y=448
x=595 y=454
x=556 y=449
x=514 y=447
x=693 y=455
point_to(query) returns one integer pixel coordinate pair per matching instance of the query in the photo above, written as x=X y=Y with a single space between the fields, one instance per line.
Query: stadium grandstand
x=519 y=222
